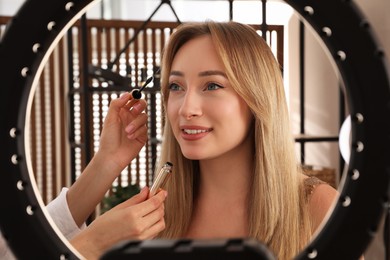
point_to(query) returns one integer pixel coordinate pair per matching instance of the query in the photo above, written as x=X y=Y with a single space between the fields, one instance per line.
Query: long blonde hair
x=277 y=209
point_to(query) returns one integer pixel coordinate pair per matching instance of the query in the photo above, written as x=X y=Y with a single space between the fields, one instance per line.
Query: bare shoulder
x=320 y=200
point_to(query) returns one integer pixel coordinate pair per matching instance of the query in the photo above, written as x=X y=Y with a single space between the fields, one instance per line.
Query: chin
x=192 y=155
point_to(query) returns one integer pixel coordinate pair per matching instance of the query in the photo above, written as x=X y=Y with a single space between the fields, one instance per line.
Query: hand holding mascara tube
x=161 y=178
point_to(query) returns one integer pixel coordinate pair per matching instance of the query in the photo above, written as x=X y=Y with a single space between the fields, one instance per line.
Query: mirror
x=15 y=131
x=62 y=112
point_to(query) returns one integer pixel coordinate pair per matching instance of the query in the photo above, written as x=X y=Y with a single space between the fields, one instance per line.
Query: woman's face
x=207 y=116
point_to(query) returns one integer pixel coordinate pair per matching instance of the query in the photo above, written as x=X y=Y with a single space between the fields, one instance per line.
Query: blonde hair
x=277 y=209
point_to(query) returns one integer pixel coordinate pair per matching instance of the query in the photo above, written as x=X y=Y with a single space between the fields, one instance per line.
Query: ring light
x=349 y=39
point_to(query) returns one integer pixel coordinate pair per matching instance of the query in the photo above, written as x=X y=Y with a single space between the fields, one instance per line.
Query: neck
x=221 y=203
x=221 y=206
x=229 y=174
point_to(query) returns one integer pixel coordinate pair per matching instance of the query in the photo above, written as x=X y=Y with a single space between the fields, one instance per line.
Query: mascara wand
x=137 y=93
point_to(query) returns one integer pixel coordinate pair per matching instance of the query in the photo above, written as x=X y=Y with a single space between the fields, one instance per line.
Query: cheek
x=243 y=117
x=236 y=109
x=173 y=117
x=247 y=115
x=171 y=111
x=247 y=124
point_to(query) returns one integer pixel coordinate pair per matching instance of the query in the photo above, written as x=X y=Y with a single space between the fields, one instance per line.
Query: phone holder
x=226 y=249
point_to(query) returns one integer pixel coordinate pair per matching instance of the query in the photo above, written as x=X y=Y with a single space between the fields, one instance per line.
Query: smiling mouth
x=195 y=131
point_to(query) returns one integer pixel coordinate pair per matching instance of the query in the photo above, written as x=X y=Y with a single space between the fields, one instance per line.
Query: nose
x=191 y=105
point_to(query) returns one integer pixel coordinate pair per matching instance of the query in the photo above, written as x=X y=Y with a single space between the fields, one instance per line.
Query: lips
x=194 y=133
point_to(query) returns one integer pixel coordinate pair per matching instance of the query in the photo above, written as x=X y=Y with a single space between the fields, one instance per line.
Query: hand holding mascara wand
x=166 y=170
x=137 y=93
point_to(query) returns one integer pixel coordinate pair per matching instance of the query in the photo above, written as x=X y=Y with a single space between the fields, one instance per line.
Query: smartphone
x=161 y=178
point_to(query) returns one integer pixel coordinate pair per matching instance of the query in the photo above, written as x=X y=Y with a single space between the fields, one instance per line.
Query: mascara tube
x=161 y=178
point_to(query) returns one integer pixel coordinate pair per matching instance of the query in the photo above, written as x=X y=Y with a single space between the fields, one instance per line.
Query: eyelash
x=177 y=87
x=171 y=85
x=214 y=84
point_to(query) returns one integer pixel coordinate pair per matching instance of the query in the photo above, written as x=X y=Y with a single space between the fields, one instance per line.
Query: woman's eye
x=174 y=87
x=213 y=86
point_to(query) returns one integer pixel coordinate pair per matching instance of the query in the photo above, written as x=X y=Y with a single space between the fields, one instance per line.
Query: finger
x=118 y=103
x=140 y=135
x=151 y=204
x=130 y=103
x=137 y=123
x=115 y=108
x=154 y=230
x=135 y=106
x=128 y=115
x=154 y=216
x=153 y=223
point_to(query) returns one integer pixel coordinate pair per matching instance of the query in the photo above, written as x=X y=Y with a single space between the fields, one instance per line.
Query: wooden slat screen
x=58 y=118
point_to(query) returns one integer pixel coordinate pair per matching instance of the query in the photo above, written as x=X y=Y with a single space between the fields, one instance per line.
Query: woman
x=228 y=136
x=124 y=134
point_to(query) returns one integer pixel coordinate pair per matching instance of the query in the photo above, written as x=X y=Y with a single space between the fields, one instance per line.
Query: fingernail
x=129 y=129
x=137 y=106
x=124 y=95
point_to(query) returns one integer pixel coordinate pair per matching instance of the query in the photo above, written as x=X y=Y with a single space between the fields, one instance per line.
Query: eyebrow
x=200 y=74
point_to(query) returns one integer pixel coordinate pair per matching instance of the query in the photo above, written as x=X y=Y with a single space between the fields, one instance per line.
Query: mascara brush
x=137 y=93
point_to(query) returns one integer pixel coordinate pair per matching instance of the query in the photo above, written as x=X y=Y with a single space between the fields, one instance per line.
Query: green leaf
x=119 y=195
